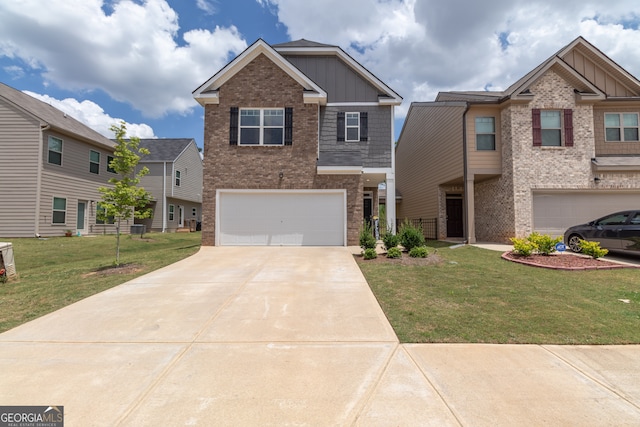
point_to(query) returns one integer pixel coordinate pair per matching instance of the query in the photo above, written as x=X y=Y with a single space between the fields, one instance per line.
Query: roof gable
x=208 y=92
x=164 y=149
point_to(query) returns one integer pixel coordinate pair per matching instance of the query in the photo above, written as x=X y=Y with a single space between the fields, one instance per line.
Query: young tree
x=125 y=199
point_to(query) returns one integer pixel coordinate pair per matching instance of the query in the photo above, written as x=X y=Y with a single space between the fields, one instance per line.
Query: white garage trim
x=281 y=217
x=555 y=211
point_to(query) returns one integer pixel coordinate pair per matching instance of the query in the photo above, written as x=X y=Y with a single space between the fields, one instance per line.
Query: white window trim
x=53 y=209
x=177 y=178
x=172 y=211
x=61 y=150
x=347 y=127
x=621 y=128
x=261 y=127
x=560 y=128
x=485 y=133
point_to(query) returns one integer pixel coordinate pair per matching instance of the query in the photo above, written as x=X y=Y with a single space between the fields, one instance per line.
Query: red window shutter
x=537 y=127
x=568 y=128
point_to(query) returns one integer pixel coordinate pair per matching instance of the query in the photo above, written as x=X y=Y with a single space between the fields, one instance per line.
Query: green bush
x=418 y=252
x=390 y=240
x=592 y=249
x=411 y=236
x=544 y=243
x=367 y=240
x=370 y=253
x=522 y=247
x=394 y=253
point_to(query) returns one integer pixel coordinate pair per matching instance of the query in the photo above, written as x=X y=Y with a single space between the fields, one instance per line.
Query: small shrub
x=544 y=243
x=411 y=236
x=394 y=253
x=367 y=240
x=523 y=247
x=390 y=240
x=370 y=253
x=418 y=252
x=592 y=249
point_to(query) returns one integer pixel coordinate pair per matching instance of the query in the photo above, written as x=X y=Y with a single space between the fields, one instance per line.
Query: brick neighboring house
x=557 y=148
x=175 y=183
x=297 y=138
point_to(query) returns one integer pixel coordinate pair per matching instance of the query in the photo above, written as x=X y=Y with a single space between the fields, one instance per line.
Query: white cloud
x=92 y=115
x=132 y=53
x=206 y=6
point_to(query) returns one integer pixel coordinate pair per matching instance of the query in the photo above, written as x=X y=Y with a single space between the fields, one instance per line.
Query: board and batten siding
x=19 y=142
x=429 y=154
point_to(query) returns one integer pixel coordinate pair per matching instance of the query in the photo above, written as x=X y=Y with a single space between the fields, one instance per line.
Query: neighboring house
x=51 y=166
x=557 y=148
x=297 y=138
x=175 y=183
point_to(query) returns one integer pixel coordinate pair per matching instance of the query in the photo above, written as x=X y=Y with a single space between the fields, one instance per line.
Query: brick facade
x=262 y=84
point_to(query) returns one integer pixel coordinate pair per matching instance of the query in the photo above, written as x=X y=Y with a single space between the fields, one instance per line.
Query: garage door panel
x=310 y=218
x=554 y=212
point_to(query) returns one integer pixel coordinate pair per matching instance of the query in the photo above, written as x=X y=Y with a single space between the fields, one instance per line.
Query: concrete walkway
x=291 y=336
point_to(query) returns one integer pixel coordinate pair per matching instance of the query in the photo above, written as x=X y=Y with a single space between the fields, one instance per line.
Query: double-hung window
x=109 y=168
x=177 y=178
x=101 y=217
x=352 y=126
x=94 y=162
x=264 y=126
x=55 y=150
x=352 y=123
x=551 y=126
x=59 y=210
x=172 y=210
x=485 y=133
x=621 y=127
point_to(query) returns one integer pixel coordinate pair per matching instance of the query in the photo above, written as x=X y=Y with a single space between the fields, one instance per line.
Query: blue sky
x=103 y=61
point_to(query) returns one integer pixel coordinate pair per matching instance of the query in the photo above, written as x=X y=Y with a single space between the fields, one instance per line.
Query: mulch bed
x=431 y=259
x=564 y=261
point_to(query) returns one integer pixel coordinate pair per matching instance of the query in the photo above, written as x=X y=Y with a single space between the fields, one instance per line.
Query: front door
x=368 y=208
x=454 y=216
x=81 y=220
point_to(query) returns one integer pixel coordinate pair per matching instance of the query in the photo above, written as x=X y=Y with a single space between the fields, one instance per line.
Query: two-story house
x=175 y=183
x=51 y=166
x=297 y=138
x=558 y=147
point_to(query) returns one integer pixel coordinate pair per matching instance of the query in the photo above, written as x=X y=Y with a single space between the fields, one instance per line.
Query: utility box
x=6 y=259
x=138 y=229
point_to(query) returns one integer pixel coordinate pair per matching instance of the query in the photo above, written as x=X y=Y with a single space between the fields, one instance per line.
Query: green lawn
x=474 y=296
x=58 y=271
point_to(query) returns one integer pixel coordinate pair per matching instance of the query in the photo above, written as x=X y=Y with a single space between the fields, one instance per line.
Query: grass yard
x=58 y=271
x=474 y=296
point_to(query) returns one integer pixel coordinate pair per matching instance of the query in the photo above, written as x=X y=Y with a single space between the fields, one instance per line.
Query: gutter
x=465 y=207
x=39 y=178
x=164 y=197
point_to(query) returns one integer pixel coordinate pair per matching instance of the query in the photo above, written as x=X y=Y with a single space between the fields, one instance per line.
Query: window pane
x=274 y=136
x=550 y=119
x=55 y=144
x=612 y=120
x=631 y=134
x=250 y=118
x=250 y=136
x=59 y=204
x=55 y=158
x=352 y=134
x=613 y=134
x=630 y=119
x=551 y=137
x=59 y=217
x=94 y=168
x=94 y=156
x=109 y=168
x=353 y=119
x=273 y=117
x=485 y=125
x=486 y=142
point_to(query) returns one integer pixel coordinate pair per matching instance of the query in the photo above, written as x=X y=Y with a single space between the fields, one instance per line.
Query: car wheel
x=574 y=243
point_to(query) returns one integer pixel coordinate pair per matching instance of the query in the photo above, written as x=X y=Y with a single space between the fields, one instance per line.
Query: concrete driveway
x=291 y=336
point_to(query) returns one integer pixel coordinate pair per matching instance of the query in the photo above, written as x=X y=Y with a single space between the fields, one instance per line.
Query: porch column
x=469 y=218
x=391 y=202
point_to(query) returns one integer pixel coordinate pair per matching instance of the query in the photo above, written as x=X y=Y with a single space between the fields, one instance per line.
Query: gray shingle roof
x=164 y=149
x=301 y=43
x=49 y=115
x=340 y=158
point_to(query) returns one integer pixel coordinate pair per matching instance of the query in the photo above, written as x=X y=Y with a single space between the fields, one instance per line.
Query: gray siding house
x=298 y=136
x=174 y=181
x=51 y=166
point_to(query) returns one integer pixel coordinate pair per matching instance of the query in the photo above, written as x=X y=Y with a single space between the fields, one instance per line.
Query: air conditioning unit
x=6 y=258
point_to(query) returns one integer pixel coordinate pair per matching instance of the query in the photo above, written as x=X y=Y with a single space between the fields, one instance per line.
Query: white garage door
x=281 y=218
x=554 y=212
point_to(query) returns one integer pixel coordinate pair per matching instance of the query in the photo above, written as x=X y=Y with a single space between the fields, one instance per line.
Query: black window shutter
x=233 y=126
x=568 y=128
x=364 y=126
x=288 y=126
x=341 y=126
x=537 y=127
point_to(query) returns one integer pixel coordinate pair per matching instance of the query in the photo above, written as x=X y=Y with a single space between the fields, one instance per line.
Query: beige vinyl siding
x=19 y=142
x=152 y=182
x=190 y=166
x=429 y=154
x=613 y=148
x=483 y=161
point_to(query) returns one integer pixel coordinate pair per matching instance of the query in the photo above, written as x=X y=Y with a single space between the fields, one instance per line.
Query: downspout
x=465 y=207
x=39 y=178
x=164 y=197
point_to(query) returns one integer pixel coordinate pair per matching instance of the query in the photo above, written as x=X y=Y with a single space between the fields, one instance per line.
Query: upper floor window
x=486 y=133
x=94 y=162
x=621 y=126
x=177 y=178
x=552 y=128
x=55 y=150
x=59 y=210
x=262 y=126
x=353 y=126
x=109 y=168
